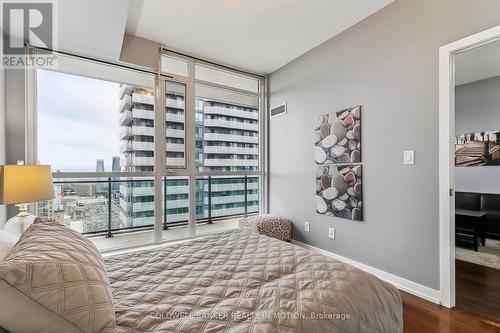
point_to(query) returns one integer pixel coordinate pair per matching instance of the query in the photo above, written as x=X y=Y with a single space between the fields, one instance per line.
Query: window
x=88 y=124
x=227 y=78
x=227 y=125
x=99 y=129
x=174 y=65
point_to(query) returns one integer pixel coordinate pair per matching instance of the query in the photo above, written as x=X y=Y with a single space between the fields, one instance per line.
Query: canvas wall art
x=477 y=149
x=338 y=137
x=339 y=191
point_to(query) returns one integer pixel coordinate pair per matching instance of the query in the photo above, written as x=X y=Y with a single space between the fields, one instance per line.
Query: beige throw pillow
x=54 y=280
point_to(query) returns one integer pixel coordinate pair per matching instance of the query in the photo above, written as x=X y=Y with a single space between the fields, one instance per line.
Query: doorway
x=470 y=174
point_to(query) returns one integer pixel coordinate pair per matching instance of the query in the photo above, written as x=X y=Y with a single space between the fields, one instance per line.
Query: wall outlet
x=331 y=233
x=306 y=226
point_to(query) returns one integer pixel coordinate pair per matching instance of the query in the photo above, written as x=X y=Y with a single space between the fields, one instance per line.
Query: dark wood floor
x=478 y=305
x=478 y=291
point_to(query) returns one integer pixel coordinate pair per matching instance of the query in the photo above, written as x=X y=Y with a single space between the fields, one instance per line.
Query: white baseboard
x=411 y=287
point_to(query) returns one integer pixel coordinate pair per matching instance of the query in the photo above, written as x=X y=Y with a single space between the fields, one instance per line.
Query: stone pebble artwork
x=337 y=156
x=339 y=191
x=338 y=137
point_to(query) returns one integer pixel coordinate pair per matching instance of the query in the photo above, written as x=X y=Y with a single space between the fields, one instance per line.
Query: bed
x=237 y=281
x=232 y=282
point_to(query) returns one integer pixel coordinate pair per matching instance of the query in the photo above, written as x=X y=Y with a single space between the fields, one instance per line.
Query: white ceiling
x=478 y=64
x=92 y=28
x=257 y=35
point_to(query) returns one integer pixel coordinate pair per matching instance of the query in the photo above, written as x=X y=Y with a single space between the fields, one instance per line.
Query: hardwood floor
x=421 y=316
x=478 y=290
x=478 y=305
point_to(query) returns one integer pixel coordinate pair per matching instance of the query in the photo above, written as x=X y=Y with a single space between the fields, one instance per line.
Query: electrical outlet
x=331 y=233
x=306 y=226
x=409 y=157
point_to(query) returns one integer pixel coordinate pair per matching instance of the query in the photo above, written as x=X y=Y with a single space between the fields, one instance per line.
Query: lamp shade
x=25 y=183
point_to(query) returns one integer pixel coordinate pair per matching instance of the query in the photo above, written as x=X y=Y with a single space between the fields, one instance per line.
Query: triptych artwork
x=337 y=153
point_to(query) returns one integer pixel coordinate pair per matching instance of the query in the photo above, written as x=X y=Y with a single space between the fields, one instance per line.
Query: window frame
x=161 y=171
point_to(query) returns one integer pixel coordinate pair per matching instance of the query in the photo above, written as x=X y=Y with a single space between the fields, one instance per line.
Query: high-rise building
x=115 y=186
x=100 y=188
x=99 y=166
x=226 y=141
x=53 y=209
x=116 y=164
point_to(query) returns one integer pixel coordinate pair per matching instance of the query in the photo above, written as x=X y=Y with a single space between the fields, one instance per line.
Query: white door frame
x=447 y=157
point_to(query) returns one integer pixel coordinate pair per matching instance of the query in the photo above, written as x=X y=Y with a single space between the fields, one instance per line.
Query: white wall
x=477 y=108
x=2 y=136
x=15 y=120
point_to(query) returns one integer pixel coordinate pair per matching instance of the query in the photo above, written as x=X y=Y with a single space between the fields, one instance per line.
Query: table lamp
x=21 y=185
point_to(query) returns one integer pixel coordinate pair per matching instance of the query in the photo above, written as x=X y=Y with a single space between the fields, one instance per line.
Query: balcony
x=232 y=187
x=174 y=118
x=177 y=189
x=125 y=90
x=143 y=114
x=174 y=103
x=175 y=162
x=136 y=145
x=126 y=118
x=143 y=161
x=143 y=130
x=230 y=162
x=126 y=133
x=230 y=112
x=143 y=99
x=177 y=203
x=126 y=103
x=230 y=124
x=125 y=147
x=88 y=214
x=230 y=138
x=175 y=147
x=175 y=133
x=232 y=199
x=126 y=190
x=230 y=150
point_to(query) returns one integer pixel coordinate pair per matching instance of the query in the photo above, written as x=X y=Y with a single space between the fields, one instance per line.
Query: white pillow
x=7 y=242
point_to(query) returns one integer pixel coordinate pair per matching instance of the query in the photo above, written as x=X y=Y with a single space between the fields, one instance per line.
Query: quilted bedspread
x=240 y=282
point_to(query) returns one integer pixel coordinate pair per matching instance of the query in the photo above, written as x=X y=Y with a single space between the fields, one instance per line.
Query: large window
x=126 y=174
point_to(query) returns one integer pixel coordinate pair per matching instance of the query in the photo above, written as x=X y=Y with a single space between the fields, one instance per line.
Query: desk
x=470 y=223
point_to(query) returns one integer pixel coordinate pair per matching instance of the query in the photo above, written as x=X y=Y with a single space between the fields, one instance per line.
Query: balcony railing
x=230 y=138
x=125 y=90
x=126 y=103
x=143 y=99
x=107 y=207
x=230 y=124
x=143 y=114
x=174 y=103
x=230 y=112
x=126 y=118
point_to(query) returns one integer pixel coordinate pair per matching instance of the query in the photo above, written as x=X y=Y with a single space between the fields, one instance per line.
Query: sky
x=78 y=121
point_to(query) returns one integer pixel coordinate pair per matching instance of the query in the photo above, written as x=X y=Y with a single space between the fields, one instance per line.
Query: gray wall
x=477 y=108
x=388 y=63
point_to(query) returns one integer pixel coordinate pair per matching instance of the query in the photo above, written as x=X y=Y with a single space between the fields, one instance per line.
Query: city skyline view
x=85 y=116
x=92 y=125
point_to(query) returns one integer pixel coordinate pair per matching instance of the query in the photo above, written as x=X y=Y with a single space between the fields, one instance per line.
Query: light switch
x=409 y=157
x=306 y=226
